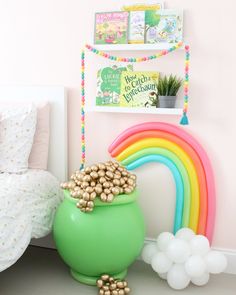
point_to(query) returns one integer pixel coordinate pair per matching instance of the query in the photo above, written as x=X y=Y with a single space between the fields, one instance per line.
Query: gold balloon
x=109 y=174
x=101 y=166
x=84 y=184
x=82 y=203
x=113 y=286
x=110 y=198
x=94 y=175
x=101 y=173
x=106 y=184
x=122 y=182
x=99 y=283
x=130 y=181
x=98 y=190
x=87 y=170
x=103 y=197
x=120 y=285
x=116 y=181
x=89 y=189
x=93 y=183
x=127 y=190
x=115 y=191
x=105 y=277
x=90 y=204
x=94 y=168
x=107 y=191
x=92 y=196
x=105 y=288
x=127 y=290
x=102 y=180
x=86 y=196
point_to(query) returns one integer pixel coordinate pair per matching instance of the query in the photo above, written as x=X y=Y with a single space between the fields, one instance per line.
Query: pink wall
x=40 y=44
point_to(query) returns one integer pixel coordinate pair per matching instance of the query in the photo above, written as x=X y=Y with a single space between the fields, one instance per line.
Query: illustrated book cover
x=163 y=26
x=138 y=89
x=136 y=27
x=109 y=84
x=111 y=27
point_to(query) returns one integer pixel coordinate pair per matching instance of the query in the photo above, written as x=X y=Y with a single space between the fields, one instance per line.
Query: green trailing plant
x=169 y=86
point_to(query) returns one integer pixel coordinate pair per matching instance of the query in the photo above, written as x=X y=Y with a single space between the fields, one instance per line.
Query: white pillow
x=17 y=128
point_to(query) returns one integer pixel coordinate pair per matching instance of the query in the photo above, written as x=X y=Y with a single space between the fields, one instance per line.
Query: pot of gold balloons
x=99 y=227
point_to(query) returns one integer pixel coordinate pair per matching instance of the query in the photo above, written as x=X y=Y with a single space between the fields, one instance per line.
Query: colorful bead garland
x=133 y=59
x=184 y=119
x=82 y=110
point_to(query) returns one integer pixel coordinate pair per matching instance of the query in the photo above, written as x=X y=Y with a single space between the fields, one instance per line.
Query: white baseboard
x=231 y=258
x=230 y=255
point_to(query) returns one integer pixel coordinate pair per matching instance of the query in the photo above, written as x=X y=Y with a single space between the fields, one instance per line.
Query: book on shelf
x=111 y=27
x=163 y=26
x=138 y=89
x=109 y=84
x=148 y=5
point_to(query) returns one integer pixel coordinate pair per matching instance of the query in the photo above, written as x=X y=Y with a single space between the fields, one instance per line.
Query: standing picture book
x=138 y=89
x=164 y=26
x=136 y=27
x=111 y=27
x=109 y=85
x=148 y=5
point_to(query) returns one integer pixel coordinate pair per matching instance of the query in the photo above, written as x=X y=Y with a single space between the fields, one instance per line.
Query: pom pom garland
x=82 y=110
x=183 y=258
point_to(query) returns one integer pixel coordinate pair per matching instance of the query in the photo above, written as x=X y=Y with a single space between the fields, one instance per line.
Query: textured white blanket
x=27 y=206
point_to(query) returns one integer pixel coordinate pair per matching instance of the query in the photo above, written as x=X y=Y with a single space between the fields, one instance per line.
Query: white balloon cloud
x=183 y=258
x=148 y=252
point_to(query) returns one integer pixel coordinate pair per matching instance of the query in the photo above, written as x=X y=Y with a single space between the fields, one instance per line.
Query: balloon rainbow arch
x=188 y=162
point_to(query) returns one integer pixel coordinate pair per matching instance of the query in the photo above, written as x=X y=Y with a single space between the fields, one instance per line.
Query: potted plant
x=167 y=90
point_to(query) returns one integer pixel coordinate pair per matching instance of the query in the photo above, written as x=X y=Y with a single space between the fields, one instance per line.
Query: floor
x=41 y=271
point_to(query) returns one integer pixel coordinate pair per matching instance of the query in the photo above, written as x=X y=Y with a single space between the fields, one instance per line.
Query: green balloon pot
x=106 y=240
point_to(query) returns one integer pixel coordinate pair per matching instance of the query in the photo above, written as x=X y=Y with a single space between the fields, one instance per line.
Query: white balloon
x=195 y=266
x=163 y=276
x=163 y=240
x=177 y=277
x=199 y=245
x=216 y=262
x=202 y=280
x=148 y=252
x=178 y=251
x=185 y=234
x=161 y=263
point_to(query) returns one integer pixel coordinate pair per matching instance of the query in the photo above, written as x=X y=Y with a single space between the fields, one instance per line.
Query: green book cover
x=137 y=89
x=109 y=85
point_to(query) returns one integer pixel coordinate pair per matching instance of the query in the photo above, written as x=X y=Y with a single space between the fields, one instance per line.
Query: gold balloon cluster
x=109 y=286
x=104 y=180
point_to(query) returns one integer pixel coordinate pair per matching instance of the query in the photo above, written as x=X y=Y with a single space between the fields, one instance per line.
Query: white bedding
x=27 y=206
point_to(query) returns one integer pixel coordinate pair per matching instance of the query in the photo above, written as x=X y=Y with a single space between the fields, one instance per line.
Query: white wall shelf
x=134 y=47
x=156 y=111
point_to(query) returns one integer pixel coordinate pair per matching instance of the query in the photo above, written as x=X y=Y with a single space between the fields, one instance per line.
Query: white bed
x=28 y=201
